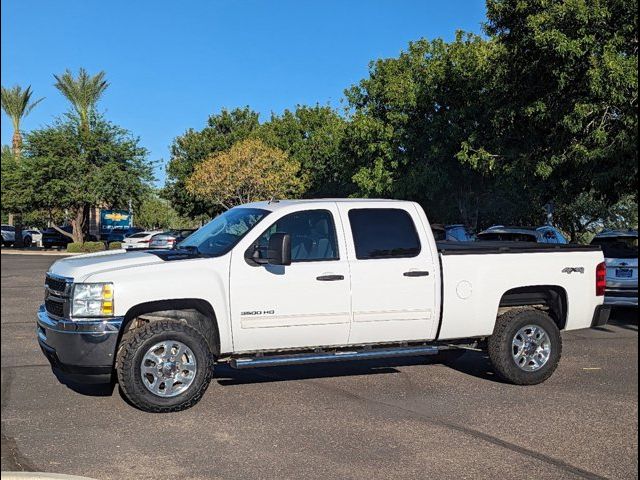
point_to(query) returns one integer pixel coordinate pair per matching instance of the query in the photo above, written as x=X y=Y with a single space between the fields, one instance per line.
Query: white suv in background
x=620 y=248
x=29 y=236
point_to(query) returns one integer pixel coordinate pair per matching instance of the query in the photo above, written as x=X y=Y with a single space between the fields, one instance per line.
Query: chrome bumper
x=621 y=295
x=80 y=346
x=621 y=301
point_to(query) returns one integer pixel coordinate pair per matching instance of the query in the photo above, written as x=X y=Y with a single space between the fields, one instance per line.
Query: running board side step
x=339 y=356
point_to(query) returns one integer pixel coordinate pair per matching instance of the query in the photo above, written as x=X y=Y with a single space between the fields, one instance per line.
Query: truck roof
x=275 y=204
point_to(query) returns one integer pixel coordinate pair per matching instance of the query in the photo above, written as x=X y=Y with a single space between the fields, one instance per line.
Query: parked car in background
x=452 y=233
x=171 y=238
x=29 y=236
x=138 y=240
x=118 y=234
x=52 y=238
x=8 y=235
x=620 y=248
x=544 y=234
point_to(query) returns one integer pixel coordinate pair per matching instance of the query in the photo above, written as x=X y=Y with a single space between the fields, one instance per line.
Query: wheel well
x=552 y=297
x=194 y=311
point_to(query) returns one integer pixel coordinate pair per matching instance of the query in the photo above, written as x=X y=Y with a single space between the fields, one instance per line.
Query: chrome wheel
x=531 y=348
x=168 y=368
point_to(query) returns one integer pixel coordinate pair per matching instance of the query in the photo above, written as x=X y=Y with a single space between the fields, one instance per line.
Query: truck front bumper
x=80 y=347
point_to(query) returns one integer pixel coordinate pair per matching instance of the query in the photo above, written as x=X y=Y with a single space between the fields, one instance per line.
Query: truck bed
x=492 y=248
x=477 y=275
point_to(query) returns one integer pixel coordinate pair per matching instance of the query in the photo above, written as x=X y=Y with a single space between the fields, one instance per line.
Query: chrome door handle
x=330 y=278
x=416 y=273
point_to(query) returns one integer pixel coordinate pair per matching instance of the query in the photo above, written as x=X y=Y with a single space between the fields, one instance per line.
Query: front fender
x=197 y=278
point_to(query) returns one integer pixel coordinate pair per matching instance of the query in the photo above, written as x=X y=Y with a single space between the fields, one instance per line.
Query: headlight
x=92 y=300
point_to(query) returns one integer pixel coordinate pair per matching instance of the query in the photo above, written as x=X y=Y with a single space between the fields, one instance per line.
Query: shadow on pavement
x=99 y=387
x=626 y=318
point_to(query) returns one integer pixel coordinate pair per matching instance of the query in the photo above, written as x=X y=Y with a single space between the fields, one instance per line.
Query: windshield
x=618 y=247
x=223 y=232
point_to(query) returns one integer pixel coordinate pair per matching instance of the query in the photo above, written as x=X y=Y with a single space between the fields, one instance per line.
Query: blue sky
x=171 y=64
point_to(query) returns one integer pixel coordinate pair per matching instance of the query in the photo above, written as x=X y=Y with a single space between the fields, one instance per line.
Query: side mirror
x=279 y=252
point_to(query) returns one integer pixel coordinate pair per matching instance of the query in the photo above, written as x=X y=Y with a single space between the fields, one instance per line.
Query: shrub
x=86 y=247
x=115 y=245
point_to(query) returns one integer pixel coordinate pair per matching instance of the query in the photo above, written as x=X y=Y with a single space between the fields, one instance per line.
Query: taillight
x=601 y=279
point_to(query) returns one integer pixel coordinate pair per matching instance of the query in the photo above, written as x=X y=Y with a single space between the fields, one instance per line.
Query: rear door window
x=383 y=233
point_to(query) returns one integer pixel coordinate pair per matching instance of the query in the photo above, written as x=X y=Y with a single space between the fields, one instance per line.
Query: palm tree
x=17 y=104
x=82 y=91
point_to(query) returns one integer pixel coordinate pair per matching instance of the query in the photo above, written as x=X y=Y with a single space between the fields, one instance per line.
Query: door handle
x=330 y=278
x=416 y=273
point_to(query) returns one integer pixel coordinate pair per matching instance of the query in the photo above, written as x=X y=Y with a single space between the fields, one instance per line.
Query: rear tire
x=134 y=353
x=525 y=347
x=26 y=242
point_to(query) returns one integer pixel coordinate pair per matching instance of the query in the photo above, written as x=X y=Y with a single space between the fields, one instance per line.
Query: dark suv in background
x=52 y=238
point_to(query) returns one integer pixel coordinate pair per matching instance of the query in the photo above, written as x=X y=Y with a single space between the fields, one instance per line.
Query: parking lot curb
x=39 y=476
x=37 y=252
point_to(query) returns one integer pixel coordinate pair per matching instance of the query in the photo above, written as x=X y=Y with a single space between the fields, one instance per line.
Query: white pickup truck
x=292 y=282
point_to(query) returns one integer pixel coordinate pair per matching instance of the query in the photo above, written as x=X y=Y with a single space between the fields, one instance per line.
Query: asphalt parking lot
x=404 y=418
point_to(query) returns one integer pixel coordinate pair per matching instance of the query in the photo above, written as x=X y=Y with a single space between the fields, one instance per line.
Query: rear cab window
x=380 y=233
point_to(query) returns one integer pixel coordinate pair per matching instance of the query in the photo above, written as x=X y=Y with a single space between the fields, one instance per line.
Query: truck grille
x=53 y=307
x=57 y=293
x=55 y=284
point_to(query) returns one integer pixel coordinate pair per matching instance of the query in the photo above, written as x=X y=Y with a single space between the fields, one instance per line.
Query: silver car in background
x=544 y=234
x=620 y=248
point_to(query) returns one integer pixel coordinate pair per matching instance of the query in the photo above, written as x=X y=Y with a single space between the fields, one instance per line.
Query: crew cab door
x=393 y=275
x=304 y=304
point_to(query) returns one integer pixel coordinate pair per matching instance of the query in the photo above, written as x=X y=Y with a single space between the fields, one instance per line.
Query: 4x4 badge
x=571 y=270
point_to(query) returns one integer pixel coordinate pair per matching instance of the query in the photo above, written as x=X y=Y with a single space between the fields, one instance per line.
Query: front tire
x=525 y=347
x=164 y=366
x=26 y=242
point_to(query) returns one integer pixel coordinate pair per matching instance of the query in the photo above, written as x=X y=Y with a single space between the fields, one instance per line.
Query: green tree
x=588 y=214
x=13 y=199
x=314 y=137
x=191 y=148
x=566 y=99
x=17 y=104
x=83 y=92
x=157 y=213
x=411 y=119
x=64 y=169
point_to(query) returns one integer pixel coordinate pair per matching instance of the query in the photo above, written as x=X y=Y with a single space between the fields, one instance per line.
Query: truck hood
x=80 y=266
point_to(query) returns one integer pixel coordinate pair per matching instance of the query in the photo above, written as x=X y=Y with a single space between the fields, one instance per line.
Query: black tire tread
x=126 y=353
x=499 y=345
